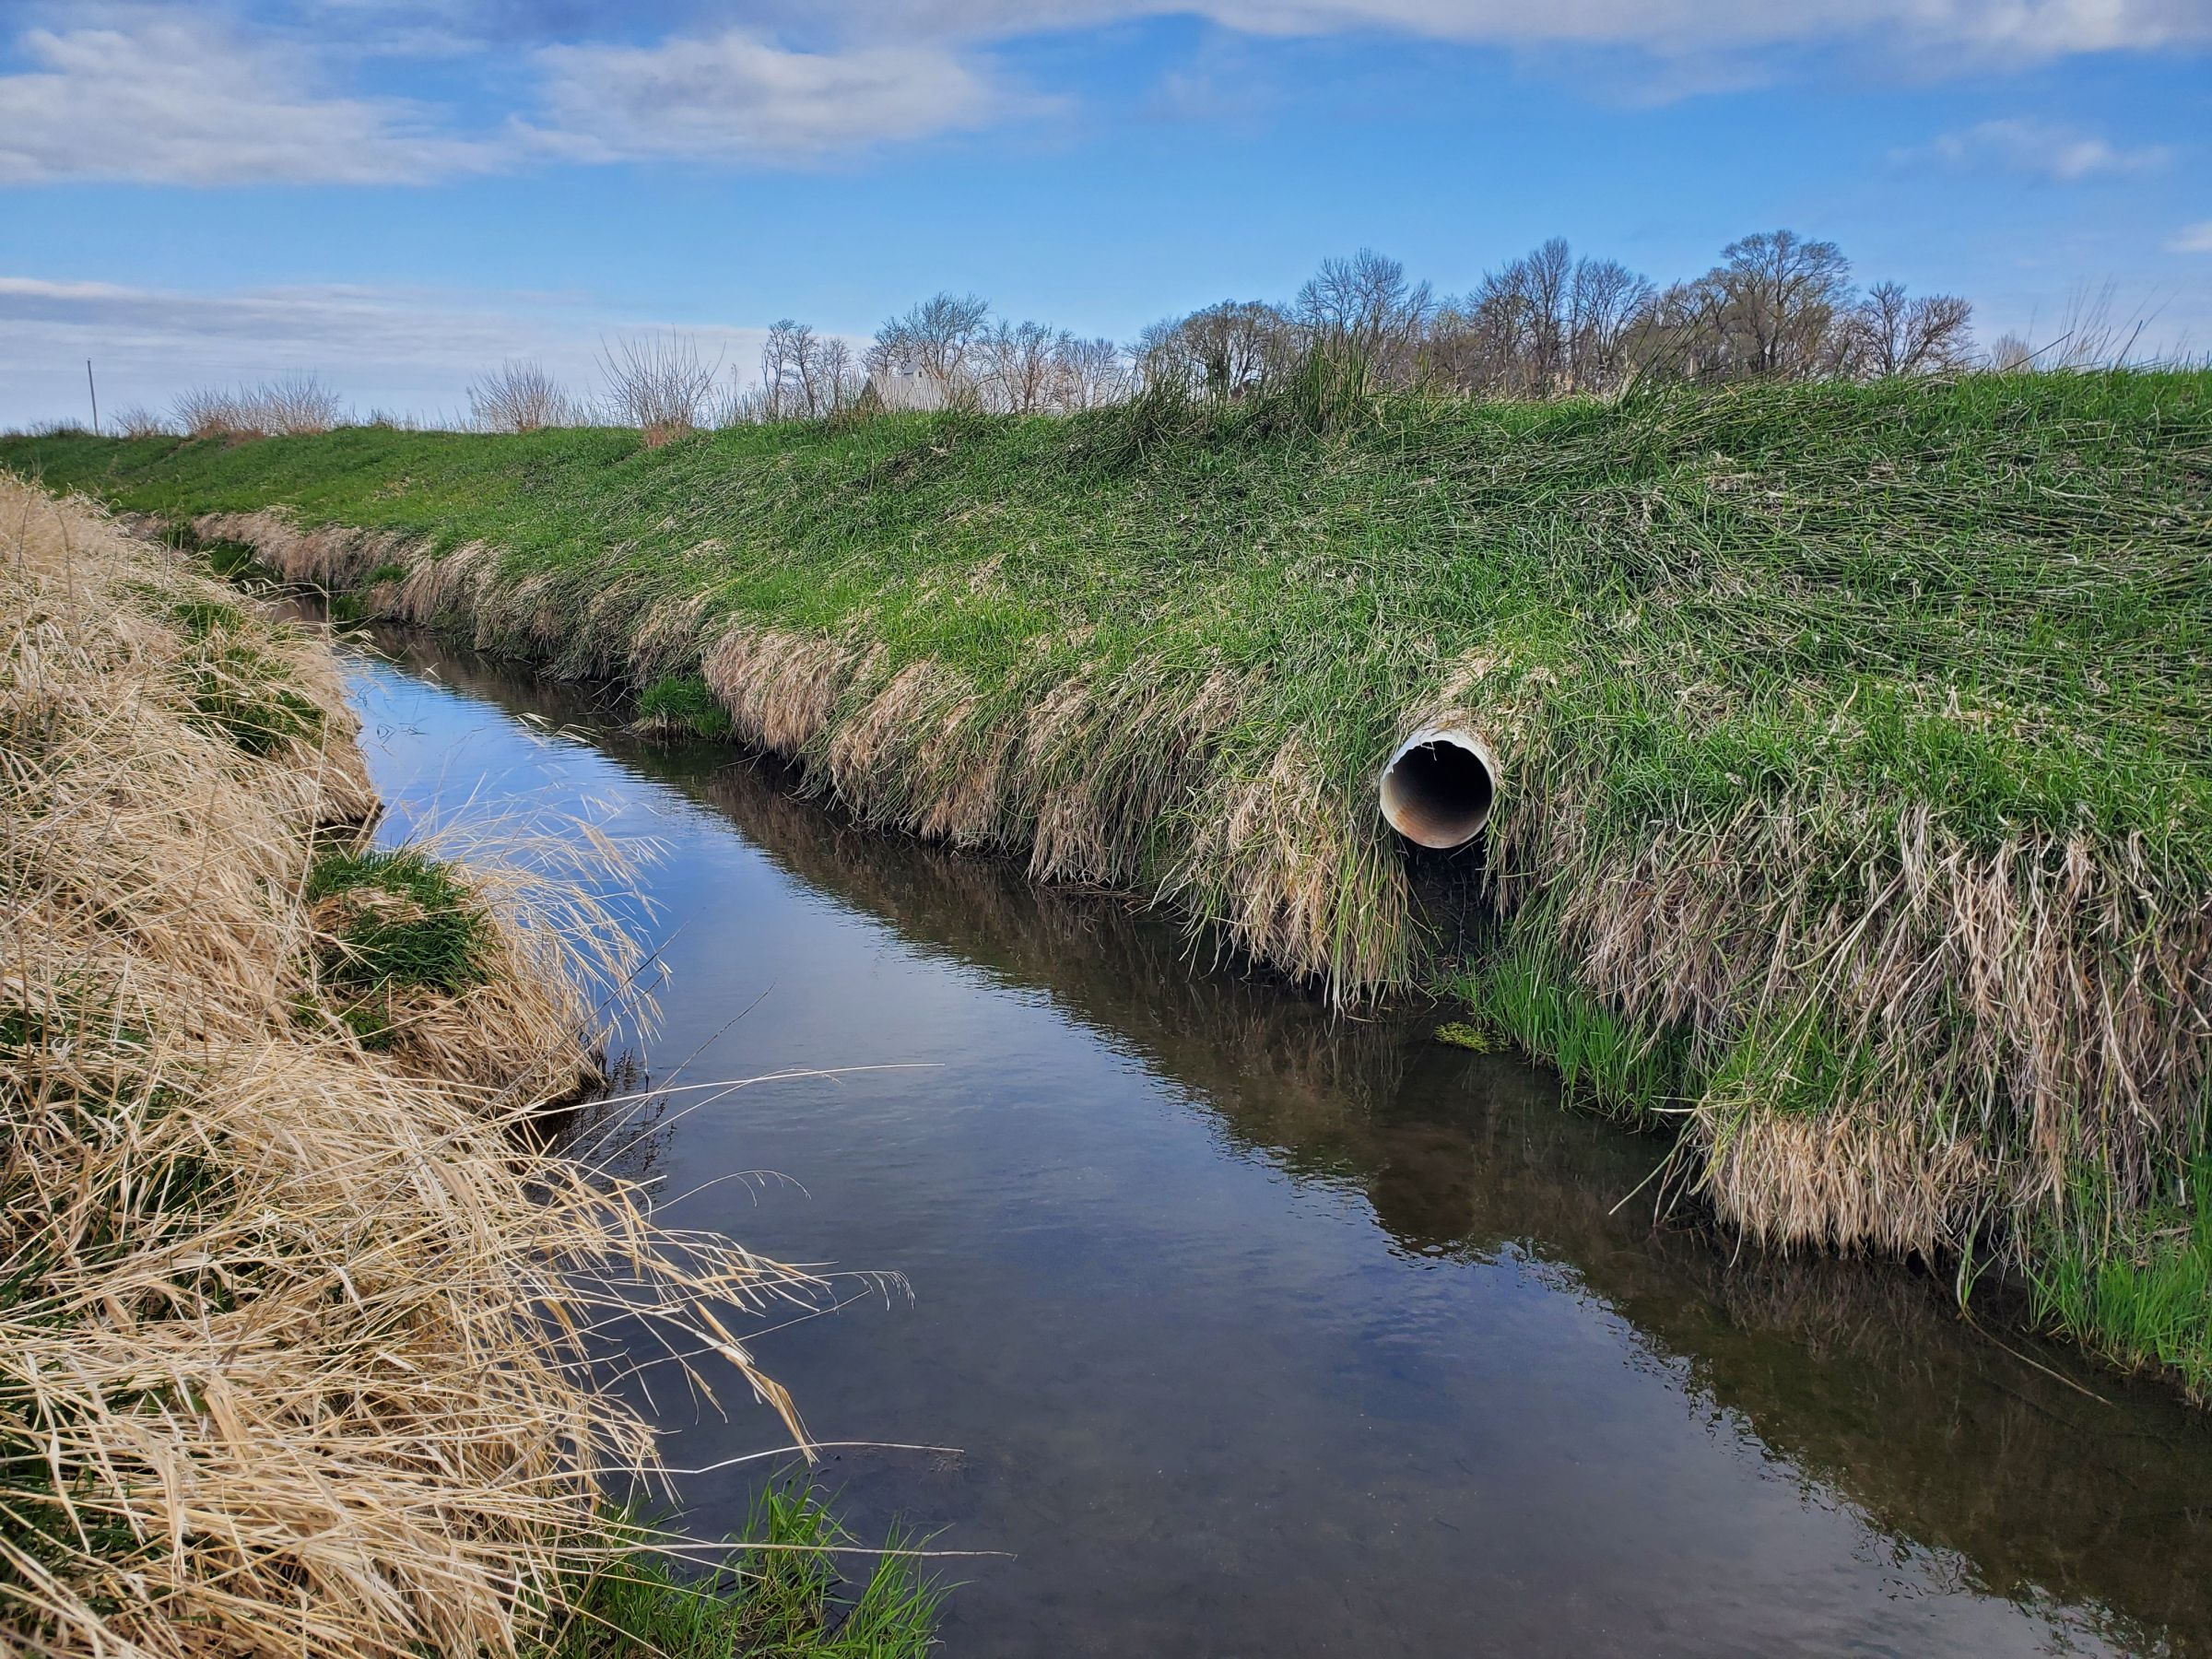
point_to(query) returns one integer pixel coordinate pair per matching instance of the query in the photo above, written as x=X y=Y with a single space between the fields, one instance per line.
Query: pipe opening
x=1438 y=789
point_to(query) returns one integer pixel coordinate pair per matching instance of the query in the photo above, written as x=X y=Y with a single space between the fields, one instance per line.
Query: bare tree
x=1544 y=277
x=1513 y=328
x=932 y=339
x=1365 y=306
x=1542 y=324
x=1473 y=343
x=804 y=375
x=658 y=384
x=2011 y=353
x=835 y=375
x=1224 y=351
x=1090 y=373
x=1604 y=300
x=1775 y=299
x=787 y=371
x=1892 y=333
x=1016 y=363
x=520 y=396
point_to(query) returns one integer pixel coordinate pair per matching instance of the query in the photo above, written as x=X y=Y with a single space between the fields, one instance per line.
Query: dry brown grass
x=1899 y=1035
x=2057 y=985
x=290 y=405
x=293 y=1356
x=780 y=687
x=1079 y=786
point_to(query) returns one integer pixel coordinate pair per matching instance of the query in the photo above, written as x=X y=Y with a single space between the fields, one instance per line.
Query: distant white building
x=903 y=393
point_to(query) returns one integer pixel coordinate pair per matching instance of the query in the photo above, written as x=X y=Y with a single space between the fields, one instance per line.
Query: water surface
x=1265 y=1332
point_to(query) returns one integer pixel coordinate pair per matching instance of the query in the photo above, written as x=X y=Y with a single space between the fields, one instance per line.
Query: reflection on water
x=1265 y=1332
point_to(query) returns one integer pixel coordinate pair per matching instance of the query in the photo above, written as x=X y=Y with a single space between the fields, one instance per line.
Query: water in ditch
x=1257 y=1330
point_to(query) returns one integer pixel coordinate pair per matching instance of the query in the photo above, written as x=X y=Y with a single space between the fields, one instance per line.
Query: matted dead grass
x=780 y=687
x=1946 y=1036
x=294 y=1349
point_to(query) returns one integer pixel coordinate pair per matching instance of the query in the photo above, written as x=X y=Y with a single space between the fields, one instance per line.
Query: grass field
x=1855 y=805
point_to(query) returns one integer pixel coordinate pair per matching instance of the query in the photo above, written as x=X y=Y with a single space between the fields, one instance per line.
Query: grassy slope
x=1855 y=736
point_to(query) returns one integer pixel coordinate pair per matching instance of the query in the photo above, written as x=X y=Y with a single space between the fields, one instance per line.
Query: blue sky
x=398 y=193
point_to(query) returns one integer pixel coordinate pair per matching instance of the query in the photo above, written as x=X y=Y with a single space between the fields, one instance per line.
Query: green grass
x=2143 y=1299
x=1788 y=551
x=1856 y=739
x=682 y=705
x=1467 y=1034
x=235 y=689
x=202 y=619
x=437 y=938
x=1604 y=1059
x=407 y=923
x=787 y=1596
x=253 y=701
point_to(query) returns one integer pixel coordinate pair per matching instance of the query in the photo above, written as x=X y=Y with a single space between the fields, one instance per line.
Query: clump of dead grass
x=294 y=1350
x=779 y=686
x=290 y=405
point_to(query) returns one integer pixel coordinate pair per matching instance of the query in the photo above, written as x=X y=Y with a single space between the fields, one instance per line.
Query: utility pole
x=95 y=391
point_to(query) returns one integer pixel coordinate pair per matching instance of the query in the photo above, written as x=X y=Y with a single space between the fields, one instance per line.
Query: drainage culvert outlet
x=1437 y=790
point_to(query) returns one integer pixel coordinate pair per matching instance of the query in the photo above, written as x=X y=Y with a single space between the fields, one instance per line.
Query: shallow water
x=1261 y=1332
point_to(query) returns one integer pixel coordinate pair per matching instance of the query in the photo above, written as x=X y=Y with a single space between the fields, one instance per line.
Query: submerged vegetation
x=296 y=1325
x=1854 y=811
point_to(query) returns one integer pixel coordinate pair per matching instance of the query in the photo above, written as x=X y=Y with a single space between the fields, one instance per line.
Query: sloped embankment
x=293 y=1312
x=1856 y=744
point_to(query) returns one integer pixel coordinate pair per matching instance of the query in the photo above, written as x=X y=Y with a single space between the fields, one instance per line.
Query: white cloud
x=236 y=91
x=734 y=97
x=2192 y=239
x=254 y=331
x=1980 y=30
x=183 y=103
x=162 y=99
x=412 y=350
x=2027 y=29
x=1647 y=51
x=2042 y=150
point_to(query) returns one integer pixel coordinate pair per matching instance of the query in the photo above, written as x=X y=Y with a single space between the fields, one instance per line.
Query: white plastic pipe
x=1438 y=789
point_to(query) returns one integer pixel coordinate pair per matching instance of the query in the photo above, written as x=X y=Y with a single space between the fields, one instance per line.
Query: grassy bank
x=1854 y=804
x=294 y=1315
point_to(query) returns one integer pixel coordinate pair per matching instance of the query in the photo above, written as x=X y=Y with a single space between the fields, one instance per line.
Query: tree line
x=1549 y=323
